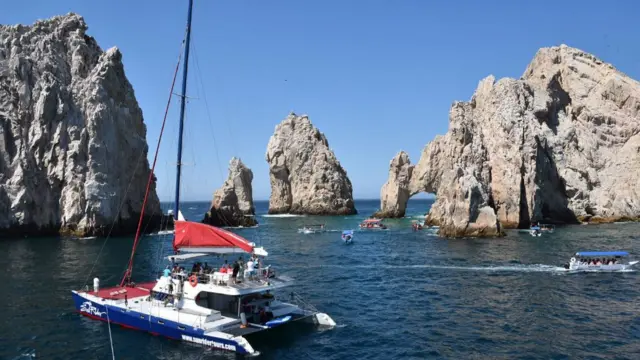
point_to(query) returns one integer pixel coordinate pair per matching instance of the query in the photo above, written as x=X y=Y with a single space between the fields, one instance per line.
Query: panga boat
x=373 y=224
x=312 y=229
x=215 y=309
x=415 y=225
x=599 y=261
x=347 y=236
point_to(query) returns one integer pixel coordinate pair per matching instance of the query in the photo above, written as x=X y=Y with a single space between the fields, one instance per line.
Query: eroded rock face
x=395 y=192
x=233 y=203
x=306 y=177
x=559 y=145
x=73 y=151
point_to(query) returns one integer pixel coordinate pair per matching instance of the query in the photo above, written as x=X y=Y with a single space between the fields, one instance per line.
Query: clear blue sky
x=375 y=76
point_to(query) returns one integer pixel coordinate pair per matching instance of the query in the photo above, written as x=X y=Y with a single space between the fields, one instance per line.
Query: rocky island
x=232 y=204
x=306 y=177
x=73 y=150
x=559 y=145
x=395 y=192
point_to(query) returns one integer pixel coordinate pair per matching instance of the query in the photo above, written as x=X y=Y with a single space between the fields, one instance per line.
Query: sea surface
x=395 y=294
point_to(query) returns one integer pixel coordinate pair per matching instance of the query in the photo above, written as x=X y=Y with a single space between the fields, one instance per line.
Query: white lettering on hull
x=207 y=342
x=88 y=307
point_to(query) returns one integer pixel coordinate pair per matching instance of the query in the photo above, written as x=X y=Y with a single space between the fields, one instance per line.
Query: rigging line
x=113 y=355
x=233 y=145
x=206 y=105
x=127 y=275
x=215 y=143
x=200 y=82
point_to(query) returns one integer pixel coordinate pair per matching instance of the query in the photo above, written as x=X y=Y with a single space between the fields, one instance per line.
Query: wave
x=282 y=215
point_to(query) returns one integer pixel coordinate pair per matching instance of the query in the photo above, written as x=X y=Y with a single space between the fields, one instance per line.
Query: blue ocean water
x=395 y=294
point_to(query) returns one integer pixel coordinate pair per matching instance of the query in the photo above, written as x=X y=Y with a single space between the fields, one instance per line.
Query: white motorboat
x=599 y=261
x=347 y=236
x=312 y=229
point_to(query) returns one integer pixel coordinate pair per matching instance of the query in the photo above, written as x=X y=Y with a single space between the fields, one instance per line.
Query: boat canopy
x=602 y=253
x=535 y=228
x=347 y=232
x=371 y=221
x=202 y=238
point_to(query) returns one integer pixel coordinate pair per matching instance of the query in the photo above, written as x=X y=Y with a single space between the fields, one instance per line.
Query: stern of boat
x=323 y=319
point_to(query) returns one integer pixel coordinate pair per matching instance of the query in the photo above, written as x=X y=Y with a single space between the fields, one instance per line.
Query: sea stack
x=395 y=192
x=559 y=145
x=233 y=203
x=306 y=177
x=73 y=150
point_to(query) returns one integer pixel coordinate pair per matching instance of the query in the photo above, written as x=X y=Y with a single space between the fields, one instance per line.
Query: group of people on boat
x=597 y=262
x=372 y=224
x=257 y=307
x=238 y=270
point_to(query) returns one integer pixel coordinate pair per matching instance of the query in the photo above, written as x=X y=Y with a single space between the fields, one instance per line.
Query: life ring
x=573 y=259
x=193 y=280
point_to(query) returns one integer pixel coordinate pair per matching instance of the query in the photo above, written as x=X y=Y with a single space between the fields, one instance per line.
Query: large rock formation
x=561 y=145
x=73 y=151
x=395 y=192
x=306 y=177
x=233 y=203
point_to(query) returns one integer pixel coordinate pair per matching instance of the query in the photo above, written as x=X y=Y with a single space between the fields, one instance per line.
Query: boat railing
x=226 y=278
x=301 y=302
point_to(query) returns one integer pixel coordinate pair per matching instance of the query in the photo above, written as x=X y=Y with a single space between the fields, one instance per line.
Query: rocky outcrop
x=233 y=203
x=306 y=177
x=559 y=145
x=395 y=192
x=73 y=151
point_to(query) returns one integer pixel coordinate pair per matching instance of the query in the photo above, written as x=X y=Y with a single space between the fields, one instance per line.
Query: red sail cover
x=197 y=235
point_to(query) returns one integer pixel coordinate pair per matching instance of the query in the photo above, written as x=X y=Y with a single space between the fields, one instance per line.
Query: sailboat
x=219 y=309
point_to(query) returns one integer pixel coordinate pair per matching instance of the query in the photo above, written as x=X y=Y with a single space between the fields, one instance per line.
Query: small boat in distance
x=347 y=236
x=547 y=227
x=599 y=261
x=373 y=224
x=312 y=229
x=415 y=225
x=535 y=231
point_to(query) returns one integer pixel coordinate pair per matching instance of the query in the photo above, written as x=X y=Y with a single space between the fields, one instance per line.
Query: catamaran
x=599 y=261
x=218 y=309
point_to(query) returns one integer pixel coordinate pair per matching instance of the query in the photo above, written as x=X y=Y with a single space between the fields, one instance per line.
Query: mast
x=126 y=279
x=183 y=99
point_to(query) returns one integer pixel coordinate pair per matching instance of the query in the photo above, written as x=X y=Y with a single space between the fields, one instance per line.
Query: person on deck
x=167 y=272
x=250 y=268
x=236 y=269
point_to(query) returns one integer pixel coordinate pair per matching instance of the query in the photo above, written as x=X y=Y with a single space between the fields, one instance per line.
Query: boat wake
x=499 y=268
x=502 y=268
x=282 y=215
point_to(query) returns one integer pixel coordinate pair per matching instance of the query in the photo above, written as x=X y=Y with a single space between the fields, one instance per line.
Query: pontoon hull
x=144 y=322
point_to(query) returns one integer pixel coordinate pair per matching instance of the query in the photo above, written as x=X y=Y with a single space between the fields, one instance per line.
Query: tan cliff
x=561 y=145
x=306 y=177
x=73 y=150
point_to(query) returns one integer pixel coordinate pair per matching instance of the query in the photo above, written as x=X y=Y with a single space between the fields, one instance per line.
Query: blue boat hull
x=151 y=324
